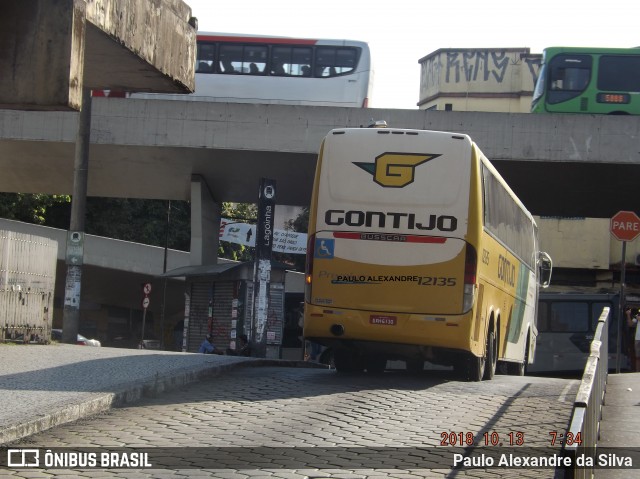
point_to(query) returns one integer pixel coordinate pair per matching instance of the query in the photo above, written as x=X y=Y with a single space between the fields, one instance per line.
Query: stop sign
x=625 y=225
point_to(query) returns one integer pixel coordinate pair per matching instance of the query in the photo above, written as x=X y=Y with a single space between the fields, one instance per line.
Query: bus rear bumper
x=439 y=339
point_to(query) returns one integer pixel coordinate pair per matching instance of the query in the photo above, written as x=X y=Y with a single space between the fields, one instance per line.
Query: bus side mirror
x=545 y=265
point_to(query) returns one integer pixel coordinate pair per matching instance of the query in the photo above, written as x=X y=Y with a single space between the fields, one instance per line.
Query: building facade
x=479 y=79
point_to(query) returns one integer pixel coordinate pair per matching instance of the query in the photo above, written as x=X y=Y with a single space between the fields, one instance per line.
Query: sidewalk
x=44 y=386
x=620 y=420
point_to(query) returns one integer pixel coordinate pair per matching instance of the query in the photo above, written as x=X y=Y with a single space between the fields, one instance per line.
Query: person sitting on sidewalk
x=243 y=349
x=207 y=346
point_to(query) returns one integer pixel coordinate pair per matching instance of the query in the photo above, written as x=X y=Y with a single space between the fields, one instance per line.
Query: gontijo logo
x=395 y=170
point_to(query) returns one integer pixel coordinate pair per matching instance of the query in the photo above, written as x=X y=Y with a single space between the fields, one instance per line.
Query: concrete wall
x=107 y=252
x=585 y=243
x=491 y=80
x=576 y=242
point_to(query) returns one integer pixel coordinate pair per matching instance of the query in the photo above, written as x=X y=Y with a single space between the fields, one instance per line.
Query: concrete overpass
x=55 y=49
x=560 y=165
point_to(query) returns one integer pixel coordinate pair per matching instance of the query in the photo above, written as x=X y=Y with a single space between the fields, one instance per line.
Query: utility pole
x=75 y=237
x=164 y=270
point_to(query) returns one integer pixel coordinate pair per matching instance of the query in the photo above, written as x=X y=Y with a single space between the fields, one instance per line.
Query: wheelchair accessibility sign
x=324 y=248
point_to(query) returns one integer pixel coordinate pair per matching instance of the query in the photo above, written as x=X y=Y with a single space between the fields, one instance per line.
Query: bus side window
x=204 y=67
x=205 y=57
x=229 y=54
x=577 y=79
x=569 y=316
x=254 y=59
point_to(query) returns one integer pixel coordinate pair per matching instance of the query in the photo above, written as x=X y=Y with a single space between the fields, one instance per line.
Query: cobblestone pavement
x=312 y=423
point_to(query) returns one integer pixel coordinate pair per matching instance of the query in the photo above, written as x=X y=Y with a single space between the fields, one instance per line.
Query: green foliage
x=300 y=224
x=141 y=221
x=30 y=208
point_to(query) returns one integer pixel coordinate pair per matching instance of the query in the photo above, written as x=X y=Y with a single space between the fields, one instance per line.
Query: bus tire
x=516 y=369
x=491 y=357
x=519 y=369
x=327 y=358
x=470 y=368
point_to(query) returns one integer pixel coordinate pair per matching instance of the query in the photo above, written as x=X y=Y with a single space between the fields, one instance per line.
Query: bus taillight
x=470 y=270
x=309 y=267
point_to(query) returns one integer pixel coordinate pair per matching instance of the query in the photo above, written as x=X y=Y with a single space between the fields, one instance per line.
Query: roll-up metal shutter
x=275 y=319
x=201 y=293
x=222 y=314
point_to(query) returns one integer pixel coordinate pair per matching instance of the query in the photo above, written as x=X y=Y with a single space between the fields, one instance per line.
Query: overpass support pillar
x=205 y=223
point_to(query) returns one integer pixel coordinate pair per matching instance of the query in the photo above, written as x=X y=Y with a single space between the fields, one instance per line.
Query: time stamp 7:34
x=515 y=438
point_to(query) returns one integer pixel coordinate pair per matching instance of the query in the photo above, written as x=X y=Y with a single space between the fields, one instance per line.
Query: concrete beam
x=41 y=54
x=140 y=45
x=559 y=165
x=50 y=50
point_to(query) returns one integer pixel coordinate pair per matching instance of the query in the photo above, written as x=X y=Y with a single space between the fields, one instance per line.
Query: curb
x=130 y=393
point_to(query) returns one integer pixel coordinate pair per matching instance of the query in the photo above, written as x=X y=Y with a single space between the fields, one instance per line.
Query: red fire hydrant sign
x=625 y=225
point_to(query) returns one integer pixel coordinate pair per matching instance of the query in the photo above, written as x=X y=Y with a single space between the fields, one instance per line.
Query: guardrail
x=584 y=429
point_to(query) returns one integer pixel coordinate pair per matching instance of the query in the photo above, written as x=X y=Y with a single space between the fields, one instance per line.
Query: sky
x=400 y=32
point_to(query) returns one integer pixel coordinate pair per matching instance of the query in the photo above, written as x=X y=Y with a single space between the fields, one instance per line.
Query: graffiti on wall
x=469 y=65
x=533 y=67
x=477 y=66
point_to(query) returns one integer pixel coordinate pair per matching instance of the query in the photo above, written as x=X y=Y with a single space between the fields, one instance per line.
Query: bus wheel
x=492 y=356
x=469 y=367
x=375 y=364
x=519 y=369
x=516 y=369
x=327 y=358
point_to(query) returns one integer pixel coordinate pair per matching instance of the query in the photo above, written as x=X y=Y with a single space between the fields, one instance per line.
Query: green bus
x=588 y=80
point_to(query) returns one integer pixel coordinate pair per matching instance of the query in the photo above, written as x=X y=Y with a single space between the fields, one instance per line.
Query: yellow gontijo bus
x=418 y=250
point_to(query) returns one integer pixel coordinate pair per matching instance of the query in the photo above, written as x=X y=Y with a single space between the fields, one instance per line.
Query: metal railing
x=584 y=430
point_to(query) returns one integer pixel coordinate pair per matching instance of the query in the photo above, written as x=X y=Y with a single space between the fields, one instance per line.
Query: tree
x=31 y=208
x=140 y=221
x=301 y=222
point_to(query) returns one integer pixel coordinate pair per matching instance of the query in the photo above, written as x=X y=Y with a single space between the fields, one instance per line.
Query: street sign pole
x=623 y=268
x=625 y=226
x=146 y=289
x=262 y=267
